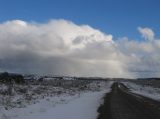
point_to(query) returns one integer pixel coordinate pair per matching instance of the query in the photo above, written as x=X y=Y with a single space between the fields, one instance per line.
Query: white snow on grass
x=82 y=105
x=41 y=107
x=144 y=90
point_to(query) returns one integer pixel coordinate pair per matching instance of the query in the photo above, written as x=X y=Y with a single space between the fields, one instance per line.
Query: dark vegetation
x=11 y=78
x=19 y=91
x=152 y=82
x=31 y=88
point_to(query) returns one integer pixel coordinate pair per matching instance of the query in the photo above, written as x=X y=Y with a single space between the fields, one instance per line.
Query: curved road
x=122 y=104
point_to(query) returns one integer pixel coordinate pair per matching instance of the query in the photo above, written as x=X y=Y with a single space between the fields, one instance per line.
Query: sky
x=107 y=38
x=118 y=17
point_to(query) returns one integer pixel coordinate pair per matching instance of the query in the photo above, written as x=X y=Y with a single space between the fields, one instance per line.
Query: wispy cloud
x=146 y=33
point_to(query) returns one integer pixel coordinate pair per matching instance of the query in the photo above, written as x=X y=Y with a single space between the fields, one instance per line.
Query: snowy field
x=68 y=101
x=146 y=88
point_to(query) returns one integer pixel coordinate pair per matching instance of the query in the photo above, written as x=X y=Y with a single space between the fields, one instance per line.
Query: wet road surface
x=122 y=104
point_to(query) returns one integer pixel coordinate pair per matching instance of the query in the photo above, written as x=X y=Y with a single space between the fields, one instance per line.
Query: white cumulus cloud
x=62 y=47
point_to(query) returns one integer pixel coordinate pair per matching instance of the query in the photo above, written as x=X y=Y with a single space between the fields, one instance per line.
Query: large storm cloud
x=61 y=47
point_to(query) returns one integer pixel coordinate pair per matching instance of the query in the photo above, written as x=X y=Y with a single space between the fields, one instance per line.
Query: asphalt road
x=120 y=103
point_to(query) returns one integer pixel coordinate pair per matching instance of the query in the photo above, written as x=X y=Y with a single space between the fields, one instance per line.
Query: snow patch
x=147 y=91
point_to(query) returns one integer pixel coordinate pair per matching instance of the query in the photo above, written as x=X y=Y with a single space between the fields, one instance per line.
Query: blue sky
x=118 y=17
x=72 y=49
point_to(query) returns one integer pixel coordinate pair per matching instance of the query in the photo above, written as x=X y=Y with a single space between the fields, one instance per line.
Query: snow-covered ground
x=148 y=91
x=82 y=104
x=84 y=107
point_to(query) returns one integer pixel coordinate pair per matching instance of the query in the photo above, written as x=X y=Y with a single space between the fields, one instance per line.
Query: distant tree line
x=6 y=77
